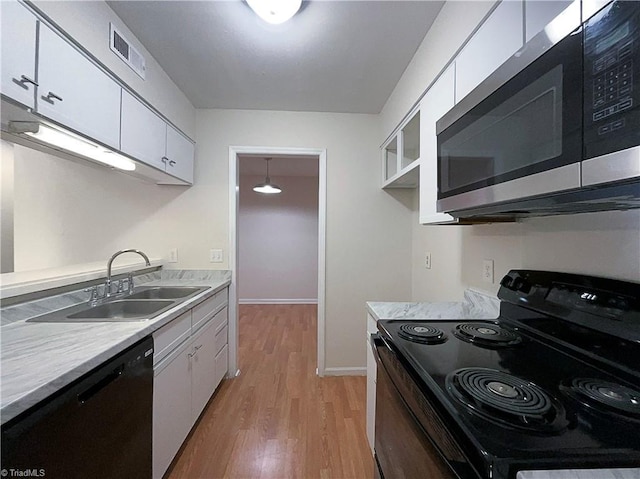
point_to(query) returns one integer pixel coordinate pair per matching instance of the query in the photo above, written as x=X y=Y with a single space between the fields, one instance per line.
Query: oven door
x=403 y=447
x=523 y=140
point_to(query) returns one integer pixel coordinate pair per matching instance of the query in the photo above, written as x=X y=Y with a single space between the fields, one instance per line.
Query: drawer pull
x=25 y=79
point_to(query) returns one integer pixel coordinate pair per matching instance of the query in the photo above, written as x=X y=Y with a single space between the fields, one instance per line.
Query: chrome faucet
x=130 y=278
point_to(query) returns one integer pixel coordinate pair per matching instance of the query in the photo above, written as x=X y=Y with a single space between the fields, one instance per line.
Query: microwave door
x=508 y=144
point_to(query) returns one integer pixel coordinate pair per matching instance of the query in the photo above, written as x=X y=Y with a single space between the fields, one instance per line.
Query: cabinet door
x=180 y=153
x=438 y=100
x=496 y=40
x=18 y=41
x=203 y=369
x=143 y=134
x=76 y=93
x=172 y=419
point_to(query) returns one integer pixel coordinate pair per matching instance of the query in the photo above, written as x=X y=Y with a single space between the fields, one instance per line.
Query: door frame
x=234 y=196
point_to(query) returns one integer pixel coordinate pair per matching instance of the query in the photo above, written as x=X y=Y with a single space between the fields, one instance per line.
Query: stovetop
x=528 y=388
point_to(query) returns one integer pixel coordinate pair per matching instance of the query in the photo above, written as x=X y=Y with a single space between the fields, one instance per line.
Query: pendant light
x=267 y=187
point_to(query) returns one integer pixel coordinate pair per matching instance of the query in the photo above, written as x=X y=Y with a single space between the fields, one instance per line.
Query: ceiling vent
x=127 y=53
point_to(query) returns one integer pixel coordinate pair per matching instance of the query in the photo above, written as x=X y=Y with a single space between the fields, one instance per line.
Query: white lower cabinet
x=193 y=359
x=203 y=369
x=172 y=415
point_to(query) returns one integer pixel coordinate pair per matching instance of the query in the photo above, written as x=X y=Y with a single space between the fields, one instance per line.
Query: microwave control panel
x=612 y=79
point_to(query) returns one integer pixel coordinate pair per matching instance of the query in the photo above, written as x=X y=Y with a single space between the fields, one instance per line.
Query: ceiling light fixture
x=69 y=142
x=275 y=11
x=267 y=187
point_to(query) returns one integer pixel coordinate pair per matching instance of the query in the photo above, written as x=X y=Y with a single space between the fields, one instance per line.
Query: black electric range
x=553 y=383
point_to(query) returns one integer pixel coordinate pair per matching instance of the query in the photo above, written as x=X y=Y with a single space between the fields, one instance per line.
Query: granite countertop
x=38 y=359
x=477 y=305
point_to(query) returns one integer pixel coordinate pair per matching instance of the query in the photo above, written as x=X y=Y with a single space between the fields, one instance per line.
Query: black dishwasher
x=99 y=426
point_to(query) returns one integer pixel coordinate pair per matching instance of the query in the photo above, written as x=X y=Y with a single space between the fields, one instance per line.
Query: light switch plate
x=215 y=256
x=427 y=260
x=487 y=271
x=173 y=255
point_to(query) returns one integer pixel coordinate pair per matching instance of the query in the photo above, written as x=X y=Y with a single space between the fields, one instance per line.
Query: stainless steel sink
x=118 y=310
x=123 y=310
x=163 y=292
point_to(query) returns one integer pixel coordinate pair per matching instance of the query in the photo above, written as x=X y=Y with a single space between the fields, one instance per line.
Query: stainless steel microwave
x=560 y=136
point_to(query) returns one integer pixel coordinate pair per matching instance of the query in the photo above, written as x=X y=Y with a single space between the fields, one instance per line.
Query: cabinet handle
x=171 y=162
x=25 y=79
x=197 y=347
x=164 y=159
x=52 y=96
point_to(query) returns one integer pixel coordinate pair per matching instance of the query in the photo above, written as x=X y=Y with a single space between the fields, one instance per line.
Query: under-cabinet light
x=275 y=11
x=75 y=144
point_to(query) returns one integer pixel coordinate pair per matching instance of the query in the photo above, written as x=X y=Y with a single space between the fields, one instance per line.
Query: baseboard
x=345 y=371
x=277 y=301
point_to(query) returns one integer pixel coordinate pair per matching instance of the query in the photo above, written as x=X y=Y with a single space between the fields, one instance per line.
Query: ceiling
x=278 y=166
x=333 y=56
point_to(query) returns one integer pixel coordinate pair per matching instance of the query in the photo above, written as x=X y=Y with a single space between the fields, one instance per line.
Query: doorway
x=237 y=154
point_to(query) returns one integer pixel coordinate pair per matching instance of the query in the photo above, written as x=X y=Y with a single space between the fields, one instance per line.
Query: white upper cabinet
x=148 y=138
x=438 y=100
x=495 y=41
x=75 y=92
x=18 y=41
x=401 y=154
x=538 y=14
x=143 y=133
x=179 y=155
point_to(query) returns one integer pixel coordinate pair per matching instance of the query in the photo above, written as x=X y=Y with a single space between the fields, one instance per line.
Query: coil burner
x=506 y=400
x=486 y=334
x=422 y=333
x=605 y=396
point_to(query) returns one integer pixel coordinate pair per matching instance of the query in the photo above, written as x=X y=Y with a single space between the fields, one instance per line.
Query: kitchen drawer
x=171 y=335
x=205 y=310
x=221 y=337
x=222 y=364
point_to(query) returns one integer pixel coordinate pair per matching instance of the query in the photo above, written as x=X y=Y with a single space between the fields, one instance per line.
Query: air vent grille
x=127 y=53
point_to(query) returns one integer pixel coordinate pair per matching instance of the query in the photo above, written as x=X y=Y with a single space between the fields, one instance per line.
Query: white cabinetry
x=499 y=37
x=74 y=92
x=401 y=155
x=142 y=132
x=538 y=14
x=147 y=137
x=436 y=102
x=179 y=155
x=172 y=415
x=190 y=360
x=18 y=43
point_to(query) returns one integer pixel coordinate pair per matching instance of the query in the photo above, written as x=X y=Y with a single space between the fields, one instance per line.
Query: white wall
x=88 y=23
x=368 y=230
x=70 y=212
x=278 y=241
x=603 y=244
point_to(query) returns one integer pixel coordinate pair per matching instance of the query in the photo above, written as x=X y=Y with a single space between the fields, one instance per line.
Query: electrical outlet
x=487 y=271
x=427 y=260
x=173 y=255
x=215 y=256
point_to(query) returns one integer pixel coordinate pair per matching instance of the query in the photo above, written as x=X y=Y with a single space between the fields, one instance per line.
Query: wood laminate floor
x=278 y=419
